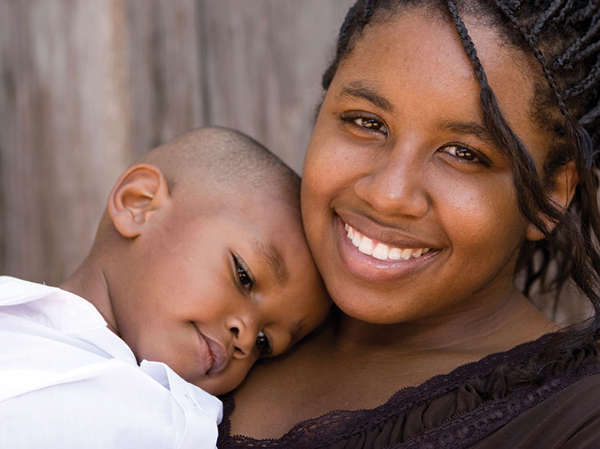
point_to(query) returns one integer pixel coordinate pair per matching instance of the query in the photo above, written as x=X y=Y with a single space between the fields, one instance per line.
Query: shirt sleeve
x=108 y=405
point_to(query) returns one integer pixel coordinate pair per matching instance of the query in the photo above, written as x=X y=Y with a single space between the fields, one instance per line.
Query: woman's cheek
x=482 y=212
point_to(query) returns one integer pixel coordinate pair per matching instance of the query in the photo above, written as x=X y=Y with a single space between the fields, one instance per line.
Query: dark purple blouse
x=485 y=404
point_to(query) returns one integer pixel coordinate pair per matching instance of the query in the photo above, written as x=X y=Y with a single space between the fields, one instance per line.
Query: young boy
x=198 y=269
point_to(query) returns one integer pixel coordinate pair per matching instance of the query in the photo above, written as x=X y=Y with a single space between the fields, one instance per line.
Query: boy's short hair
x=227 y=159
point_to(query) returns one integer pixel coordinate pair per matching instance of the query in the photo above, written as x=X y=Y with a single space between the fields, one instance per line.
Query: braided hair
x=564 y=38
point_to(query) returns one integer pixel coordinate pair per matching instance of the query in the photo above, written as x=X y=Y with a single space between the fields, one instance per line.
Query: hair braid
x=584 y=13
x=543 y=18
x=587 y=83
x=565 y=58
x=467 y=44
x=564 y=11
x=588 y=51
x=530 y=39
x=514 y=4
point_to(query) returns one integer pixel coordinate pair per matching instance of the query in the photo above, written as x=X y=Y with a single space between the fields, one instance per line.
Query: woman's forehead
x=417 y=40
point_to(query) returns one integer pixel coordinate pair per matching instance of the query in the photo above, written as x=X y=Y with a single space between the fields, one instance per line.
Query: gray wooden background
x=88 y=86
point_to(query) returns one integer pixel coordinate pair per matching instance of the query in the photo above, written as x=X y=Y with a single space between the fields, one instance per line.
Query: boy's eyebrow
x=359 y=90
x=272 y=257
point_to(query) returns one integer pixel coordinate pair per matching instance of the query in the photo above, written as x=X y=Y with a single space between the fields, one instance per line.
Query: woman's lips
x=374 y=260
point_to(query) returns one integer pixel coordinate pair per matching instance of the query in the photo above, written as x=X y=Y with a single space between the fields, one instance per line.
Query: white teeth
x=406 y=254
x=395 y=254
x=379 y=250
x=366 y=246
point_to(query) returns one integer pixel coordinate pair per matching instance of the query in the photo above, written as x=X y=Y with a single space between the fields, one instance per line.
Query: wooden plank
x=164 y=76
x=64 y=123
x=263 y=63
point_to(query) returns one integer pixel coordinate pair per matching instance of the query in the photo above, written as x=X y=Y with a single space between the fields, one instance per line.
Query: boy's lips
x=217 y=355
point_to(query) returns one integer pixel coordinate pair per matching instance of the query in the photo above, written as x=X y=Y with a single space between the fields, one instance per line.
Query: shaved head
x=223 y=160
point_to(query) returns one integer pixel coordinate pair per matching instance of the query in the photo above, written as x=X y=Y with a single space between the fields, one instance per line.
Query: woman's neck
x=483 y=326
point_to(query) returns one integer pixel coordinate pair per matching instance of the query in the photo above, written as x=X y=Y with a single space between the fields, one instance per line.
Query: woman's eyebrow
x=358 y=89
x=472 y=128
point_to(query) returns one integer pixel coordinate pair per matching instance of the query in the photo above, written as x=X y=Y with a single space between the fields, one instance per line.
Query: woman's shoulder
x=567 y=419
x=468 y=406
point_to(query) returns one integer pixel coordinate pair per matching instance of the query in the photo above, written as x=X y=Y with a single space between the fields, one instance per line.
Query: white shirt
x=68 y=382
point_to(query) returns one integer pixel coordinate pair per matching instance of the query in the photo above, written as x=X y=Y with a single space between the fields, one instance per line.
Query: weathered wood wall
x=87 y=86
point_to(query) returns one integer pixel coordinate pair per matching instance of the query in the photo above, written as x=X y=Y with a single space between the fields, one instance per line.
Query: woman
x=451 y=161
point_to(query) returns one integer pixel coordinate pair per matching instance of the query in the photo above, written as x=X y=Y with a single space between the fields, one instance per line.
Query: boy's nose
x=243 y=334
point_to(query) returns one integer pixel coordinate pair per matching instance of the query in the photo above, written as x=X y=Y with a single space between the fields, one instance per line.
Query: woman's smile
x=375 y=253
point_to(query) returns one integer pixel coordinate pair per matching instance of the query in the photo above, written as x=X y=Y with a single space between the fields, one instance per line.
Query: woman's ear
x=561 y=191
x=137 y=194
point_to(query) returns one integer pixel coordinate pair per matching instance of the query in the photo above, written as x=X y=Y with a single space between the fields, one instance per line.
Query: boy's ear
x=137 y=194
x=562 y=189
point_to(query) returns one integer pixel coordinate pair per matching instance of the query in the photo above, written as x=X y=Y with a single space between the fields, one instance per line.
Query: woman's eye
x=242 y=274
x=263 y=345
x=368 y=123
x=462 y=153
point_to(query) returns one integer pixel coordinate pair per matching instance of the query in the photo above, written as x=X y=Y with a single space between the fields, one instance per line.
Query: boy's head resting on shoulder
x=200 y=260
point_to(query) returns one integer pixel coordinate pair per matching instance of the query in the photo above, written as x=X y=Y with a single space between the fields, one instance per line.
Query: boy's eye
x=242 y=274
x=263 y=345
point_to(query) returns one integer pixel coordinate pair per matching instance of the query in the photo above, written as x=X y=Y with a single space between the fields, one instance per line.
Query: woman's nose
x=243 y=333
x=395 y=187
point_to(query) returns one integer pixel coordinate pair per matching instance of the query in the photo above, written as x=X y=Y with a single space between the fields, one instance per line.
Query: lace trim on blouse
x=477 y=399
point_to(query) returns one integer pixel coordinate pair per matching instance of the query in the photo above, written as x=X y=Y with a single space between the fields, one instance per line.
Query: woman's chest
x=278 y=396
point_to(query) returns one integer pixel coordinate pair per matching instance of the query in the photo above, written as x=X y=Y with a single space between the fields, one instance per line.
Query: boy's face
x=210 y=294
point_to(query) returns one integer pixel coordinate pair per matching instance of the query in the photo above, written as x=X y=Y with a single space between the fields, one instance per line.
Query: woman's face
x=408 y=204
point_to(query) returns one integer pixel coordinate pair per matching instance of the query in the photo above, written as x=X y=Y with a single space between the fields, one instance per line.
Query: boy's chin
x=219 y=384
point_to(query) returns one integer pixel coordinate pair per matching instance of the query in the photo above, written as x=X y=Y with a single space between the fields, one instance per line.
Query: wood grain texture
x=63 y=138
x=263 y=67
x=164 y=71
